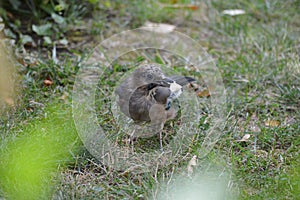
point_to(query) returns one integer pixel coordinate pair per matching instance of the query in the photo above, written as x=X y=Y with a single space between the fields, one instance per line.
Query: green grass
x=258 y=57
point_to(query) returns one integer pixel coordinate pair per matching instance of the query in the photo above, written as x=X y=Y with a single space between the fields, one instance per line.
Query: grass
x=258 y=57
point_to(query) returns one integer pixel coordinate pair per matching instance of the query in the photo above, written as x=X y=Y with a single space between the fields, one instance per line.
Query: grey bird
x=147 y=95
x=143 y=75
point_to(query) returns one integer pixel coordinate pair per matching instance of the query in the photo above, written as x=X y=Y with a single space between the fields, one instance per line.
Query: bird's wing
x=144 y=97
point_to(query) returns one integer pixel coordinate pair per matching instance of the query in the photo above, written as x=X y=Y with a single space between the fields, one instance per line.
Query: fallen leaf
x=233 y=12
x=181 y=6
x=193 y=162
x=203 y=93
x=27 y=40
x=245 y=138
x=272 y=123
x=42 y=30
x=48 y=82
x=158 y=27
x=57 y=18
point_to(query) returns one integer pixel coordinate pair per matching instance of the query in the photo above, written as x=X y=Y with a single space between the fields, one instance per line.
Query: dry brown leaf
x=245 y=138
x=272 y=123
x=48 y=82
x=181 y=6
x=193 y=162
x=203 y=93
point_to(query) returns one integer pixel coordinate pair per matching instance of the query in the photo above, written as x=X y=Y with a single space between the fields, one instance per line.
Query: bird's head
x=149 y=73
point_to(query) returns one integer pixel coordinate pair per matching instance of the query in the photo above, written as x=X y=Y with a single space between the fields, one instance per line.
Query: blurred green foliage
x=54 y=20
x=45 y=18
x=29 y=162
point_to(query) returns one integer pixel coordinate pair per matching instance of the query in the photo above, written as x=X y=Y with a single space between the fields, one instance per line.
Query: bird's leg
x=158 y=116
x=131 y=139
x=161 y=141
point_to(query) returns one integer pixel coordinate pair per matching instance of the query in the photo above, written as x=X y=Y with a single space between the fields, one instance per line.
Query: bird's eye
x=149 y=76
x=151 y=86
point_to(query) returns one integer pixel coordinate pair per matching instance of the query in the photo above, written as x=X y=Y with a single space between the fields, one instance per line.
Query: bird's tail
x=182 y=80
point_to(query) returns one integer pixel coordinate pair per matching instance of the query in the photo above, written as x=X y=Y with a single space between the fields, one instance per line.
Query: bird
x=143 y=75
x=147 y=96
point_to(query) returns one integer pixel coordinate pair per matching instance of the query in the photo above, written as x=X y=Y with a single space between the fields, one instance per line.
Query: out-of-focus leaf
x=47 y=7
x=42 y=29
x=30 y=161
x=61 y=6
x=63 y=41
x=107 y=4
x=93 y=1
x=57 y=18
x=8 y=33
x=47 y=40
x=27 y=40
